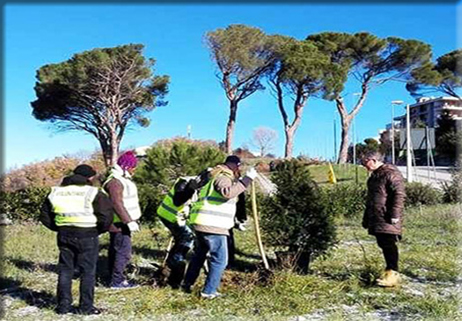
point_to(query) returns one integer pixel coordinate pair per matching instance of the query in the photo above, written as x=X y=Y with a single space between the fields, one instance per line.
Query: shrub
x=345 y=200
x=165 y=162
x=421 y=194
x=49 y=172
x=24 y=204
x=452 y=192
x=310 y=160
x=150 y=197
x=243 y=152
x=295 y=218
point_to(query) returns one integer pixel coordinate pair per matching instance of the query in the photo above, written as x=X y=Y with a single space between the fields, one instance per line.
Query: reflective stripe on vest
x=168 y=210
x=73 y=205
x=212 y=209
x=130 y=197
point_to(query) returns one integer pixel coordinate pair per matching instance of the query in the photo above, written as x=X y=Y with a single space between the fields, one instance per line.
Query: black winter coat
x=385 y=200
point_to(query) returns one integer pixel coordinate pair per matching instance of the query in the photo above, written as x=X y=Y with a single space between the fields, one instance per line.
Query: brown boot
x=389 y=279
x=164 y=276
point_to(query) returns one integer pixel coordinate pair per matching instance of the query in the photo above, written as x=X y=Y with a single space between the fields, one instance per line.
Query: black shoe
x=64 y=310
x=91 y=311
x=186 y=288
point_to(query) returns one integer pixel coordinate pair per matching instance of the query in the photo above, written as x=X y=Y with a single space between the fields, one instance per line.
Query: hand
x=251 y=173
x=394 y=221
x=133 y=226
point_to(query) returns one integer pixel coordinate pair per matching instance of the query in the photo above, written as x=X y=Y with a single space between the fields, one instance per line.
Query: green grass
x=343 y=173
x=340 y=286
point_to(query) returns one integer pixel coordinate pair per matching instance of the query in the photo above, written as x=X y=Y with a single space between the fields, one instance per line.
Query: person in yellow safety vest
x=212 y=216
x=79 y=212
x=173 y=213
x=124 y=195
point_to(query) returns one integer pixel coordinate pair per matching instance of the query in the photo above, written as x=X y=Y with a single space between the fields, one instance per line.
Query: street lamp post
x=408 y=145
x=393 y=103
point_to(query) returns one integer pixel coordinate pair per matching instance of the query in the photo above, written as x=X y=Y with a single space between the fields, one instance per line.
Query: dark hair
x=85 y=171
x=233 y=159
x=373 y=155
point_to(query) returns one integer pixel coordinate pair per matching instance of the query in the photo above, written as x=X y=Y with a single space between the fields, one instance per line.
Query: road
x=434 y=177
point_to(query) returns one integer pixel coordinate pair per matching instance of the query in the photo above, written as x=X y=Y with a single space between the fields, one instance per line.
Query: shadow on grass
x=243 y=266
x=13 y=289
x=346 y=179
x=102 y=269
x=33 y=266
x=248 y=255
x=366 y=276
x=149 y=253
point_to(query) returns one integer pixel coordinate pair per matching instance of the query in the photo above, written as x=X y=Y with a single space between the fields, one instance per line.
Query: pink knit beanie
x=127 y=160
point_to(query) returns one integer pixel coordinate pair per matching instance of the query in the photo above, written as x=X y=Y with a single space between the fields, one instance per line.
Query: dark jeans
x=231 y=248
x=184 y=240
x=84 y=253
x=119 y=255
x=387 y=242
x=217 y=246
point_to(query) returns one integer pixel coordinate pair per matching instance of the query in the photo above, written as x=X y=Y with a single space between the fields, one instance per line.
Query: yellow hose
x=257 y=227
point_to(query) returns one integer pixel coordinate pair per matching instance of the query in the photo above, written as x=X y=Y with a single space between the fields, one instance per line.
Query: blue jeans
x=217 y=246
x=184 y=240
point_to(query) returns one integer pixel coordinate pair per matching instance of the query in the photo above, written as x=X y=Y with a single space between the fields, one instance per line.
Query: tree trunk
x=345 y=139
x=230 y=127
x=114 y=148
x=346 y=118
x=110 y=148
x=107 y=157
x=289 y=131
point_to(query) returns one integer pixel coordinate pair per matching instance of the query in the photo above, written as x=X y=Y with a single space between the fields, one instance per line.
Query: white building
x=428 y=109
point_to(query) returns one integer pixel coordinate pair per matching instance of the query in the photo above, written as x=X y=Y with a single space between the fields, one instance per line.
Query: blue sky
x=173 y=34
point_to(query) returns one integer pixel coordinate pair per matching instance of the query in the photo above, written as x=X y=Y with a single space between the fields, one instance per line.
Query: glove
x=394 y=221
x=251 y=173
x=133 y=226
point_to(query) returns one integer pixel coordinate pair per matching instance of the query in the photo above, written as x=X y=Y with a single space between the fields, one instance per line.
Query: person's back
x=79 y=212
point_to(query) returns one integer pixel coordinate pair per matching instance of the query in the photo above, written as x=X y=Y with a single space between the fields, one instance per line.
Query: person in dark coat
x=383 y=216
x=79 y=212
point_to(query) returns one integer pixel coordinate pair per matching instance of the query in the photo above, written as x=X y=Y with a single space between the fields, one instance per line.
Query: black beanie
x=233 y=162
x=85 y=171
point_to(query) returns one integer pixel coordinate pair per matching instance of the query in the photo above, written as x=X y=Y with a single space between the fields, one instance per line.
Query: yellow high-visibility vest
x=73 y=205
x=168 y=210
x=212 y=209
